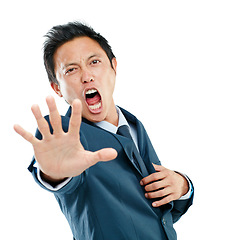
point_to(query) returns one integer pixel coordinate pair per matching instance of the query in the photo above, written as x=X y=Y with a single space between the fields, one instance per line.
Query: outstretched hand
x=61 y=154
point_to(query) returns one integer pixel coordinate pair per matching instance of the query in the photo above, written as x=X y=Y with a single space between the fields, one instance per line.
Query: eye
x=95 y=62
x=70 y=70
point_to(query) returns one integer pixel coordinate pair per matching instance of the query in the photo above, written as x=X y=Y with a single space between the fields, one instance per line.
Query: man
x=107 y=180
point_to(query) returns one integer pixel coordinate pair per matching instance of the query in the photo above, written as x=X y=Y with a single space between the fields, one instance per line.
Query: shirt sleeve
x=47 y=185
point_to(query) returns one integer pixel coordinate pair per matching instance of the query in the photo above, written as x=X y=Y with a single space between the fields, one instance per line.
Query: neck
x=112 y=116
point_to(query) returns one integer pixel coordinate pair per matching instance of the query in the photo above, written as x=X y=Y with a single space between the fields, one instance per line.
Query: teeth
x=96 y=106
x=90 y=91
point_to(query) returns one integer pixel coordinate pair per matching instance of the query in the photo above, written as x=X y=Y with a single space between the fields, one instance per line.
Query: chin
x=94 y=117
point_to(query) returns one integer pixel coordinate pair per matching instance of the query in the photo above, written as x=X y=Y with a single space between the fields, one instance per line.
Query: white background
x=178 y=72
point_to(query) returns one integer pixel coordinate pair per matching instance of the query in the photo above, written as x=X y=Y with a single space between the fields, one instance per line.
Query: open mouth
x=93 y=100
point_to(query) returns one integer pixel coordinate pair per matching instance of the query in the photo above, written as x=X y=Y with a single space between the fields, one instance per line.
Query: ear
x=114 y=64
x=56 y=88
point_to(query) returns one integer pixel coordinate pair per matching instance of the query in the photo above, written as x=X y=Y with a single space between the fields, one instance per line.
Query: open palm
x=61 y=154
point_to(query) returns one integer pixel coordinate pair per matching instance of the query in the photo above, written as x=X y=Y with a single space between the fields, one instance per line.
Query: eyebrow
x=94 y=55
x=68 y=64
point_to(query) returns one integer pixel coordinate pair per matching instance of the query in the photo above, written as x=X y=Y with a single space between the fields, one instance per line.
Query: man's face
x=83 y=71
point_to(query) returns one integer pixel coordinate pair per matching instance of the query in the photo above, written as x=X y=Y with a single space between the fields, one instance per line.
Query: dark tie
x=137 y=160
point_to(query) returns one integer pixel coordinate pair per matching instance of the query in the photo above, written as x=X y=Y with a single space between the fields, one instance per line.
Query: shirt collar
x=110 y=127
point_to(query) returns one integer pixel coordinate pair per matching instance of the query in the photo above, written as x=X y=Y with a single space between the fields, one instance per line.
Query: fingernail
x=141 y=183
x=154 y=204
x=146 y=195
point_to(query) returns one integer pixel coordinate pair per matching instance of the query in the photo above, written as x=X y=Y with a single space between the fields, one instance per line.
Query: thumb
x=89 y=159
x=105 y=154
x=158 y=168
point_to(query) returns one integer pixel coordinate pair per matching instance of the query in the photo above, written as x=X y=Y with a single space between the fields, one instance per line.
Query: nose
x=87 y=76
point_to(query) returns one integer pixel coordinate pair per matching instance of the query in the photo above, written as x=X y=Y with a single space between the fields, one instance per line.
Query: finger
x=55 y=118
x=106 y=154
x=163 y=201
x=76 y=118
x=41 y=122
x=159 y=194
x=26 y=135
x=152 y=178
x=102 y=155
x=156 y=185
x=158 y=168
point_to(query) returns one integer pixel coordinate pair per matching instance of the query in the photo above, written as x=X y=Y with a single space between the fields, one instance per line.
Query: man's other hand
x=165 y=185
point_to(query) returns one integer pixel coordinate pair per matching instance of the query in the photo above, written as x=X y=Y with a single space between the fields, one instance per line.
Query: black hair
x=60 y=34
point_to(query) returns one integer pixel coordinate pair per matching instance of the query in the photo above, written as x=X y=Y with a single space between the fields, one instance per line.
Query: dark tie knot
x=124 y=131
